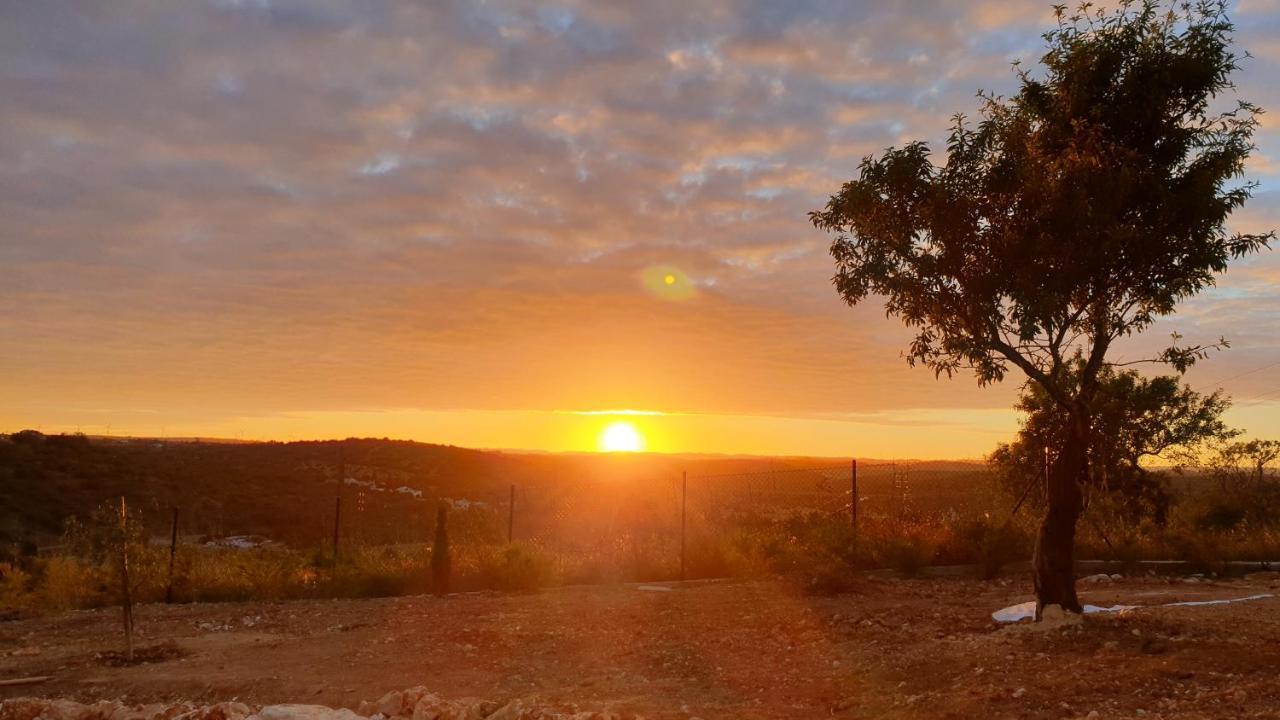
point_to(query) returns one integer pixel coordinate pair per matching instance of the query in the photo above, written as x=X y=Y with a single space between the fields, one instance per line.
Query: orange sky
x=479 y=224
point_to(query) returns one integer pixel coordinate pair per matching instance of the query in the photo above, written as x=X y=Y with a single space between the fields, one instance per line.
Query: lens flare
x=667 y=283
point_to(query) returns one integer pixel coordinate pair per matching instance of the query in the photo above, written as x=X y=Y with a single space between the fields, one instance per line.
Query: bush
x=1219 y=516
x=908 y=554
x=816 y=552
x=989 y=544
x=67 y=583
x=515 y=568
x=1203 y=551
x=15 y=586
x=827 y=575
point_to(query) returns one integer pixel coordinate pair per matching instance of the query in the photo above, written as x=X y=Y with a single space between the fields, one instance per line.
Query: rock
x=391 y=704
x=1053 y=616
x=32 y=709
x=303 y=712
x=412 y=696
x=1099 y=578
x=142 y=712
x=429 y=707
x=220 y=711
x=101 y=710
x=514 y=710
x=22 y=708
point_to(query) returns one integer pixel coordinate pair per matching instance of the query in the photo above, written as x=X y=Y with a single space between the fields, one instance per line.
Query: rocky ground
x=749 y=649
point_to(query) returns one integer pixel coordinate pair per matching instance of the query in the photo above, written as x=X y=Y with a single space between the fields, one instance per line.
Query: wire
x=1246 y=372
x=1263 y=396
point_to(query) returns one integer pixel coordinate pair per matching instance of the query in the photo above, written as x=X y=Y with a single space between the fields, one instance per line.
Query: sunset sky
x=490 y=224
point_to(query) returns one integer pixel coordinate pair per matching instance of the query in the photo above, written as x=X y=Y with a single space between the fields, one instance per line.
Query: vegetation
x=1074 y=214
x=1136 y=421
x=441 y=559
x=1225 y=506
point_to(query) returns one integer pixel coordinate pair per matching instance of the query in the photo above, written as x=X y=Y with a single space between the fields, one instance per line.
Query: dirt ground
x=735 y=649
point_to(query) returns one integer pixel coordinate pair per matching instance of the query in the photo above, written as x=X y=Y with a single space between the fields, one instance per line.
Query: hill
x=287 y=491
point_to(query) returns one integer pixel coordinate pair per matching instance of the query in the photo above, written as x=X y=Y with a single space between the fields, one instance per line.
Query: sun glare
x=621 y=436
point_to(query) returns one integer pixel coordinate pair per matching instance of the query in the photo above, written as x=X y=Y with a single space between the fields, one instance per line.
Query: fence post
x=126 y=591
x=511 y=516
x=173 y=553
x=337 y=519
x=684 y=501
x=853 y=493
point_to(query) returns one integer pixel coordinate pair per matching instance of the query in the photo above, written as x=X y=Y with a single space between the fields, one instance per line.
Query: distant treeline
x=287 y=491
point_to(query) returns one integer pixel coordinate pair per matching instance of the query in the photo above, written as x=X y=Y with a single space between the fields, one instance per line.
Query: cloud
x=259 y=207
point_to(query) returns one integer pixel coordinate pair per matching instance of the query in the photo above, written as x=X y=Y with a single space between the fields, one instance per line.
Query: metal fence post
x=853 y=493
x=337 y=520
x=684 y=501
x=337 y=501
x=511 y=516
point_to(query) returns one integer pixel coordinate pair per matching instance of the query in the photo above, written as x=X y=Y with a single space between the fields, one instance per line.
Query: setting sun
x=621 y=436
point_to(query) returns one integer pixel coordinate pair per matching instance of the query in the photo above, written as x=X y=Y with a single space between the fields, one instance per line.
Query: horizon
x=496 y=226
x=196 y=439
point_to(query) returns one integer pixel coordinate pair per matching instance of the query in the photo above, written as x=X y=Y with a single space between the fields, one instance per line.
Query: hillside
x=287 y=491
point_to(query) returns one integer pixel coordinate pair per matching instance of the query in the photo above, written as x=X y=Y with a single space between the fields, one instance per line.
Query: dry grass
x=819 y=551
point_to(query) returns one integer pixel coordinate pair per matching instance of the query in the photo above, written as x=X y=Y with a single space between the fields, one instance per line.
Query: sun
x=621 y=436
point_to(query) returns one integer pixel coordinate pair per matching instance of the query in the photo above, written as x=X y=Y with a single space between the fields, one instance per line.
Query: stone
x=303 y=712
x=1052 y=616
x=22 y=708
x=141 y=712
x=101 y=710
x=220 y=711
x=391 y=704
x=513 y=710
x=429 y=707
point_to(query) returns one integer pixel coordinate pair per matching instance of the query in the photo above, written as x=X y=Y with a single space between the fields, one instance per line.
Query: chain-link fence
x=633 y=526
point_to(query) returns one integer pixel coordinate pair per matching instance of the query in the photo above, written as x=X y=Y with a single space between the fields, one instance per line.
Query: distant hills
x=287 y=491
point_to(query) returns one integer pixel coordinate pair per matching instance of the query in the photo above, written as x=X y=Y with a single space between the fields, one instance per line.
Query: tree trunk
x=1053 y=564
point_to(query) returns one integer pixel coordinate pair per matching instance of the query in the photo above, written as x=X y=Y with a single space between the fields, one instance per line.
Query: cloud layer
x=247 y=207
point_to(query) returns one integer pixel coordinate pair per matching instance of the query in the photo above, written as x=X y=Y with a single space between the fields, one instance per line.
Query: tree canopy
x=1074 y=213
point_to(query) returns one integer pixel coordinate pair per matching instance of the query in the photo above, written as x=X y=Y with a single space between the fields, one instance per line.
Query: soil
x=894 y=648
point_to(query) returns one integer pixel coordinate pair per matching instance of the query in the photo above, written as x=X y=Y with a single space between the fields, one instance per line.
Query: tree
x=1247 y=465
x=1074 y=214
x=1134 y=418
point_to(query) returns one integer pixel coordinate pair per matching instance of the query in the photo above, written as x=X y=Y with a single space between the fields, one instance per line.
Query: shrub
x=67 y=583
x=989 y=544
x=1203 y=551
x=15 y=586
x=515 y=568
x=907 y=553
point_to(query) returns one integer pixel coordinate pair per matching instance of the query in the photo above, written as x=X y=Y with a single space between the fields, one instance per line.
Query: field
x=521 y=523
x=891 y=648
x=564 y=591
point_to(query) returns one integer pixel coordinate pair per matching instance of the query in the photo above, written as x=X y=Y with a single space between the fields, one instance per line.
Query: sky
x=491 y=224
